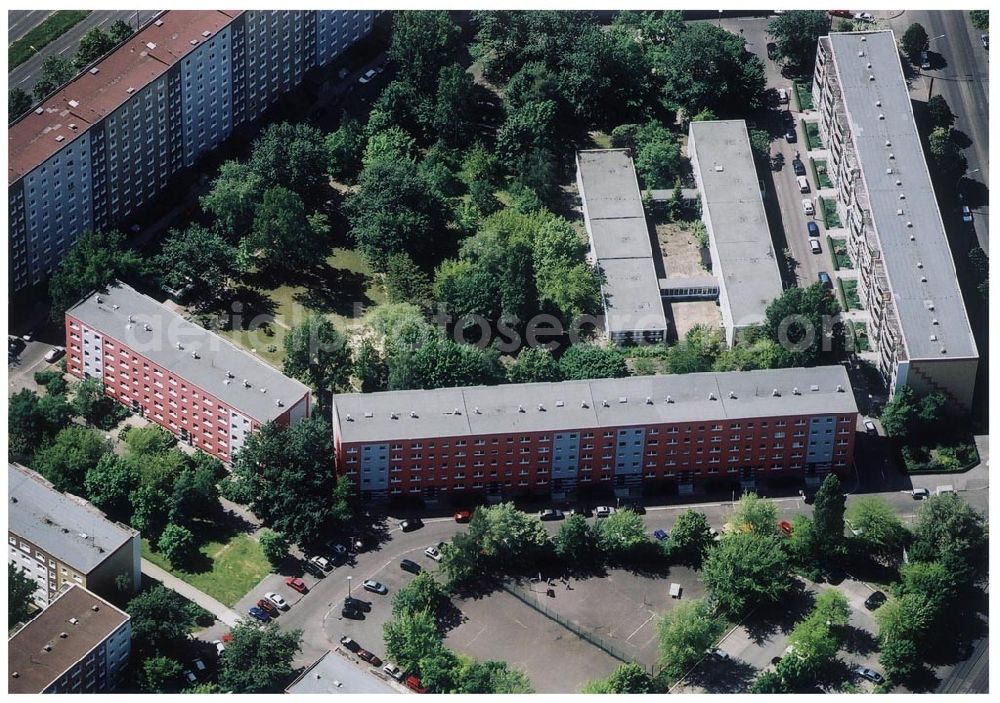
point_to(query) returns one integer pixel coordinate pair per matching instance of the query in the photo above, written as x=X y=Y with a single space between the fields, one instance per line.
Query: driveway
x=21 y=373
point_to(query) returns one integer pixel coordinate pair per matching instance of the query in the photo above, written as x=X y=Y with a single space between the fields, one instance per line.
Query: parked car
x=352 y=613
x=368 y=75
x=367 y=656
x=869 y=674
x=581 y=510
x=716 y=652
x=259 y=614
x=394 y=671
x=358 y=604
x=415 y=685
x=785 y=527
x=313 y=569
x=190 y=677
x=870 y=427
x=336 y=548
x=814 y=246
x=824 y=278
x=790 y=134
x=772 y=51
x=966 y=214
x=411 y=524
x=409 y=565
x=296 y=584
x=661 y=535
x=875 y=600
x=277 y=599
x=268 y=607
x=807 y=206
x=813 y=229
x=920 y=494
x=55 y=354
x=434 y=553
x=321 y=562
x=375 y=587
x=349 y=644
x=550 y=514
x=925 y=60
x=864 y=16
x=463 y=516
x=603 y=511
x=803 y=184
x=715 y=534
x=798 y=166
x=808 y=496
x=220 y=647
x=198 y=665
x=782 y=96
x=985 y=39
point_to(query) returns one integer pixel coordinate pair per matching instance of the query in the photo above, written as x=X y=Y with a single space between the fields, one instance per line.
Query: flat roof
x=632 y=299
x=572 y=405
x=921 y=271
x=67 y=527
x=190 y=351
x=92 y=96
x=332 y=673
x=732 y=202
x=30 y=667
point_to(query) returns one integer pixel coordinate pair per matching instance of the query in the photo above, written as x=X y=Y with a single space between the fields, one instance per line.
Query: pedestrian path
x=221 y=612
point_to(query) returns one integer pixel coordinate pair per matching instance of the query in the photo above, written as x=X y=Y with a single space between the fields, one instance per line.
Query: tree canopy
x=93 y=261
x=878 y=528
x=746 y=569
x=582 y=361
x=73 y=452
x=801 y=320
x=258 y=658
x=685 y=632
x=690 y=537
x=20 y=595
x=316 y=353
x=796 y=32
x=199 y=257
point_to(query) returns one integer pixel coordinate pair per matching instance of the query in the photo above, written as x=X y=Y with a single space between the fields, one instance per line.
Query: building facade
x=59 y=539
x=906 y=275
x=109 y=141
x=556 y=438
x=186 y=379
x=80 y=643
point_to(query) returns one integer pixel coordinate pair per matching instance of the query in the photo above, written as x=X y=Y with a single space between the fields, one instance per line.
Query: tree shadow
x=961 y=139
x=477 y=589
x=858 y=641
x=974 y=193
x=333 y=290
x=449 y=616
x=722 y=675
x=770 y=619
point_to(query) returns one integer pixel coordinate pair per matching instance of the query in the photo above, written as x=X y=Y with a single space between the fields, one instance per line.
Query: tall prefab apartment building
x=190 y=381
x=107 y=142
x=555 y=438
x=906 y=275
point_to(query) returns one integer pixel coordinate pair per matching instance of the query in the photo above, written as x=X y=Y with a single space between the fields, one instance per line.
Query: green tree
x=620 y=534
x=507 y=536
x=879 y=529
x=422 y=43
x=454 y=115
x=285 y=475
x=343 y=506
x=198 y=257
x=345 y=147
x=489 y=677
x=461 y=558
x=410 y=637
x=18 y=103
x=567 y=286
x=814 y=641
x=73 y=452
x=316 y=353
x=100 y=411
x=389 y=145
x=275 y=547
x=935 y=583
x=769 y=682
x=177 y=544
x=582 y=361
x=939 y=113
x=160 y=674
x=109 y=485
x=93 y=45
x=195 y=492
x=405 y=281
x=913 y=41
x=55 y=71
x=690 y=537
x=422 y=594
x=160 y=620
x=796 y=32
x=442 y=363
x=437 y=671
x=370 y=368
x=658 y=158
x=828 y=513
x=284 y=238
x=150 y=511
x=980 y=19
x=899 y=414
x=292 y=156
x=575 y=543
x=684 y=633
x=33 y=421
x=20 y=595
x=948 y=530
x=945 y=155
x=259 y=658
x=528 y=128
x=800 y=321
x=151 y=440
x=533 y=365
x=119 y=31
x=697 y=352
x=746 y=569
x=233 y=199
x=92 y=262
x=755 y=514
x=627 y=678
x=904 y=624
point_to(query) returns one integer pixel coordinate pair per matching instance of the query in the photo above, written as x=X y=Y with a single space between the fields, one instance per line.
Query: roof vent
x=147 y=327
x=541 y=407
x=158 y=23
x=193 y=42
x=878 y=103
x=560 y=404
x=933 y=337
x=622 y=399
x=649 y=401
x=711 y=396
x=943 y=350
x=888 y=171
x=520 y=408
x=814 y=388
x=39 y=110
x=279 y=403
x=14 y=675
x=130 y=90
x=902 y=196
x=179 y=345
x=888 y=143
x=94 y=71
x=732 y=395
x=60 y=138
x=920 y=265
x=929 y=304
x=669 y=399
x=73 y=621
x=840 y=388
x=923 y=279
x=583 y=404
x=47 y=648
x=229 y=374
x=150 y=45
x=899 y=211
x=861 y=53
x=871 y=77
x=881 y=116
x=909 y=224
x=795 y=391
x=95 y=608
x=63 y=635
x=913 y=237
x=934 y=321
x=72 y=125
x=263 y=390
x=719 y=168
x=226 y=381
x=206 y=33
x=349 y=418
x=868 y=65
x=775 y=393
x=864 y=37
x=246 y=383
x=74 y=103
x=605 y=403
x=892 y=156
x=413 y=413
x=899 y=182
x=476 y=410
x=393 y=416
x=115 y=306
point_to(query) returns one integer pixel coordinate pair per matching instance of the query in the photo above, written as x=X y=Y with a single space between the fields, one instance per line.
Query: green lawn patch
x=859 y=331
x=228 y=570
x=943 y=457
x=820 y=173
x=803 y=95
x=601 y=140
x=840 y=256
x=828 y=211
x=811 y=130
x=850 y=288
x=51 y=28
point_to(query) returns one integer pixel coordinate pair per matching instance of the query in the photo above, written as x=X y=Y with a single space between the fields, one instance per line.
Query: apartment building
x=188 y=380
x=620 y=246
x=739 y=239
x=906 y=275
x=554 y=438
x=58 y=539
x=80 y=643
x=106 y=143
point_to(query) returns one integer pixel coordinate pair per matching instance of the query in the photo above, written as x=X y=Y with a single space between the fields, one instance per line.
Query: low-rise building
x=188 y=380
x=80 y=643
x=554 y=438
x=332 y=673
x=60 y=539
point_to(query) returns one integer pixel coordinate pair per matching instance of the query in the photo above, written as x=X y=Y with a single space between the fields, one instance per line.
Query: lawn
x=51 y=28
x=803 y=95
x=840 y=255
x=811 y=130
x=861 y=341
x=952 y=456
x=820 y=173
x=851 y=293
x=227 y=571
x=828 y=211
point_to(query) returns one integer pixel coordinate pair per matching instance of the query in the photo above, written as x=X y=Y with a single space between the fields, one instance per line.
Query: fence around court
x=530 y=598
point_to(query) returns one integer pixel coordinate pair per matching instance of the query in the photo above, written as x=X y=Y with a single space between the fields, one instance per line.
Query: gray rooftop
x=332 y=673
x=569 y=405
x=616 y=220
x=734 y=211
x=631 y=292
x=172 y=342
x=927 y=255
x=63 y=525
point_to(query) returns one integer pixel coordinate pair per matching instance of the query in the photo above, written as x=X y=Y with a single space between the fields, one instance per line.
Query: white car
x=603 y=511
x=870 y=427
x=814 y=246
x=369 y=74
x=807 y=206
x=220 y=647
x=54 y=354
x=966 y=214
x=322 y=563
x=433 y=553
x=782 y=96
x=394 y=671
x=803 y=184
x=277 y=600
x=865 y=16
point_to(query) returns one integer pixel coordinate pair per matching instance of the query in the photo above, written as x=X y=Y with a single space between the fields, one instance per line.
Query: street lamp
x=958 y=183
x=349 y=578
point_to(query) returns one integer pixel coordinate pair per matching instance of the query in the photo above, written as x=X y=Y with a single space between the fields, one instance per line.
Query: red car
x=297 y=584
x=785 y=527
x=463 y=516
x=367 y=656
x=414 y=684
x=267 y=606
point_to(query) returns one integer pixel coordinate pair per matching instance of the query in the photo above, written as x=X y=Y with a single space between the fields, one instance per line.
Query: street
x=20 y=22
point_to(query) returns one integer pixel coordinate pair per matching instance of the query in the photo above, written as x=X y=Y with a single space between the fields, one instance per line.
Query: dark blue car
x=813 y=229
x=661 y=535
x=259 y=614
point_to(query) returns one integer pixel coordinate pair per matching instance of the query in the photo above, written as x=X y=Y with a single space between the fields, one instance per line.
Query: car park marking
x=651 y=616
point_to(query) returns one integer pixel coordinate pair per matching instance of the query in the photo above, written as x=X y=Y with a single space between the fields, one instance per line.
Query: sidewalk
x=206 y=601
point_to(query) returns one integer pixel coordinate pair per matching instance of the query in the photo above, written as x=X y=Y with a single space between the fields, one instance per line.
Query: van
x=803 y=184
x=782 y=96
x=411 y=566
x=815 y=248
x=807 y=206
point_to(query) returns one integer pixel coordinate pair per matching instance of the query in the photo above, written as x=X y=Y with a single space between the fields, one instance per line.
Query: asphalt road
x=961 y=74
x=24 y=76
x=20 y=22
